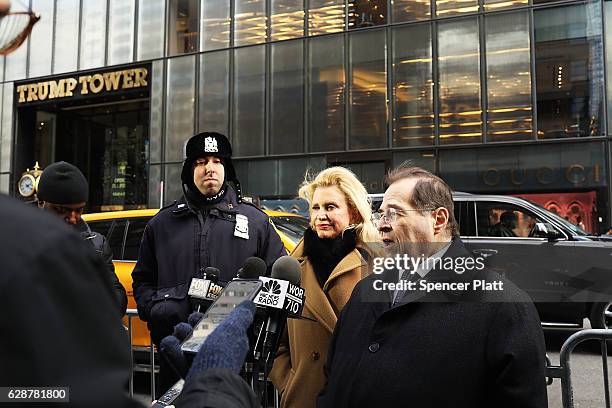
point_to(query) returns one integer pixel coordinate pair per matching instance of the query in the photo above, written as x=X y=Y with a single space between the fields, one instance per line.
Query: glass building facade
x=496 y=96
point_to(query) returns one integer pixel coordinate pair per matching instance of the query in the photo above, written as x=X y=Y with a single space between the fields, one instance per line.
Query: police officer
x=209 y=226
x=63 y=191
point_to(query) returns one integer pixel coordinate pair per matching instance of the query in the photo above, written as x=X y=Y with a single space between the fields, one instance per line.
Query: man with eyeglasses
x=454 y=346
x=63 y=191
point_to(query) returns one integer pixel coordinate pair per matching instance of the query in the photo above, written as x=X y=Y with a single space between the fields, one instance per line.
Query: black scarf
x=324 y=254
x=199 y=200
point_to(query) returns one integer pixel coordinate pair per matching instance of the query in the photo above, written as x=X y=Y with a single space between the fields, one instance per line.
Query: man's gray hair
x=430 y=191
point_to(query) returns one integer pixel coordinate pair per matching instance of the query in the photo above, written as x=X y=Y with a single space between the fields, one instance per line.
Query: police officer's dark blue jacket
x=181 y=241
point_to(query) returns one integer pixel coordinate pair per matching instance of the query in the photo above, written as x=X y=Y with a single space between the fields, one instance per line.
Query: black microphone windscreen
x=252 y=268
x=287 y=268
x=212 y=273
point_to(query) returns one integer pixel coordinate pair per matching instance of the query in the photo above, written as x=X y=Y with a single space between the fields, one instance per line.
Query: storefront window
x=287 y=19
x=179 y=105
x=151 y=23
x=413 y=124
x=459 y=77
x=93 y=34
x=66 y=36
x=41 y=40
x=493 y=5
x=569 y=71
x=121 y=31
x=410 y=10
x=249 y=101
x=325 y=16
x=287 y=99
x=215 y=24
x=214 y=92
x=368 y=91
x=508 y=77
x=326 y=93
x=183 y=26
x=445 y=8
x=366 y=13
x=250 y=22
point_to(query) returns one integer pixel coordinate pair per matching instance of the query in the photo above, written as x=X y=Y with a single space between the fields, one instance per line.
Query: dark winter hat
x=63 y=183
x=207 y=144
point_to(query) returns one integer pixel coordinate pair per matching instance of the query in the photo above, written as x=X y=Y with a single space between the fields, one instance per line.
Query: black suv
x=566 y=271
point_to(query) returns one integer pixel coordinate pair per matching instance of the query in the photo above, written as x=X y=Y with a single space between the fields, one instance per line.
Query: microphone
x=243 y=287
x=283 y=296
x=203 y=291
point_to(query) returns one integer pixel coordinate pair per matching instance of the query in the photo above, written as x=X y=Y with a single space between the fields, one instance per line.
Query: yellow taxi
x=124 y=229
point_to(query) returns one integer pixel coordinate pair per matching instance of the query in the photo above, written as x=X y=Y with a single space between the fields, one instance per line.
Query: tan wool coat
x=298 y=367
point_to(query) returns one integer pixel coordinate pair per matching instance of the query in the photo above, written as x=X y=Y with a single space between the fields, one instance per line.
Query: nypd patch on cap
x=208 y=144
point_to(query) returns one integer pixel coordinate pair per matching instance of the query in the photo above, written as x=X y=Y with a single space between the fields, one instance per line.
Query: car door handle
x=485 y=252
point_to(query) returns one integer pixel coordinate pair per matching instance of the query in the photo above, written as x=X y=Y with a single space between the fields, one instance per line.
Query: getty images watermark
x=435 y=273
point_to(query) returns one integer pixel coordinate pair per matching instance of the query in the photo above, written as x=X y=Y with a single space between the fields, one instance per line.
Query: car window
x=134 y=236
x=101 y=227
x=115 y=238
x=293 y=227
x=464 y=214
x=497 y=219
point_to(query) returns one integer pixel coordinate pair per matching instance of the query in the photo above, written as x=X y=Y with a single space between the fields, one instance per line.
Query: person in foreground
x=332 y=264
x=451 y=348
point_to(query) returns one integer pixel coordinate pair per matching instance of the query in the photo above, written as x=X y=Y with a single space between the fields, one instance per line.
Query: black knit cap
x=207 y=144
x=63 y=183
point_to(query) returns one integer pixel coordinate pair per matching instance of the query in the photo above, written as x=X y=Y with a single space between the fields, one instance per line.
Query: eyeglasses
x=62 y=210
x=391 y=214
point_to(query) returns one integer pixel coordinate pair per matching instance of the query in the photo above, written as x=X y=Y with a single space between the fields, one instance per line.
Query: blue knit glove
x=228 y=345
x=170 y=346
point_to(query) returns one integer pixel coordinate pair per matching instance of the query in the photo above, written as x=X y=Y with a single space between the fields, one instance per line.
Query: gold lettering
x=541 y=175
x=579 y=171
x=56 y=89
x=141 y=77
x=491 y=177
x=96 y=87
x=128 y=81
x=71 y=84
x=111 y=79
x=514 y=180
x=21 y=89
x=32 y=92
x=43 y=90
x=83 y=80
x=597 y=173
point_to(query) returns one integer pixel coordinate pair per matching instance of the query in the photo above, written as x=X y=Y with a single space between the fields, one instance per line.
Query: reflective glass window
x=287 y=99
x=156 y=79
x=508 y=77
x=249 y=22
x=93 y=34
x=154 y=186
x=183 y=26
x=569 y=71
x=325 y=16
x=66 y=36
x=366 y=13
x=413 y=122
x=179 y=105
x=214 y=92
x=368 y=91
x=214 y=24
x=172 y=182
x=287 y=18
x=5 y=183
x=326 y=93
x=493 y=5
x=446 y=8
x=459 y=77
x=248 y=101
x=16 y=63
x=6 y=147
x=151 y=23
x=121 y=31
x=608 y=34
x=41 y=39
x=409 y=10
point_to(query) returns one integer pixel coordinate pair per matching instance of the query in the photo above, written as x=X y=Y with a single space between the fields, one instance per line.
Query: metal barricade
x=131 y=313
x=563 y=371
